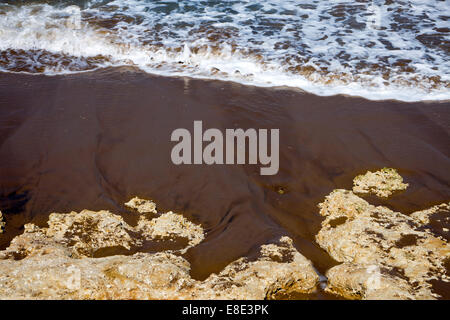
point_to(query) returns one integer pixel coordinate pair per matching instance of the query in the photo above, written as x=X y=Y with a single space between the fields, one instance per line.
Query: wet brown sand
x=95 y=140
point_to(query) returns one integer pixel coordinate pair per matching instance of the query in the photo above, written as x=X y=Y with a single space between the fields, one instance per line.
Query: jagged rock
x=161 y=275
x=34 y=242
x=141 y=205
x=55 y=276
x=281 y=269
x=2 y=223
x=356 y=281
x=59 y=262
x=423 y=216
x=362 y=235
x=91 y=234
x=87 y=232
x=382 y=183
x=171 y=226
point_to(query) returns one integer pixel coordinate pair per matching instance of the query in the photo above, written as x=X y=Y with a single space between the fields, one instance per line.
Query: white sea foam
x=397 y=51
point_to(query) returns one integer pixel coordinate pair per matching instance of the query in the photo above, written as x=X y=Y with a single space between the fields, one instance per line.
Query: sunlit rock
x=382 y=183
x=280 y=270
x=141 y=205
x=63 y=262
x=362 y=236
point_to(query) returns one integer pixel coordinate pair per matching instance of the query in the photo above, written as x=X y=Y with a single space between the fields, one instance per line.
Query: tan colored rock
x=90 y=234
x=362 y=235
x=34 y=242
x=141 y=205
x=171 y=226
x=382 y=183
x=58 y=263
x=89 y=231
x=162 y=275
x=2 y=223
x=54 y=276
x=281 y=269
x=355 y=281
x=423 y=216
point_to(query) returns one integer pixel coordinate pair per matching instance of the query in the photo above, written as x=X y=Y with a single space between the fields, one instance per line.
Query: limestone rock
x=34 y=242
x=382 y=183
x=141 y=276
x=163 y=275
x=423 y=216
x=93 y=234
x=356 y=281
x=280 y=269
x=141 y=205
x=87 y=232
x=362 y=236
x=61 y=262
x=171 y=226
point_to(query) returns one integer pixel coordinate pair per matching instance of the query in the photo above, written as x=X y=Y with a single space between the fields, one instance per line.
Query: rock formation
x=382 y=183
x=384 y=254
x=142 y=206
x=95 y=255
x=280 y=270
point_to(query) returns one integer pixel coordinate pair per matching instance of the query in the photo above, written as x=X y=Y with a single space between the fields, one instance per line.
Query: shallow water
x=95 y=140
x=378 y=49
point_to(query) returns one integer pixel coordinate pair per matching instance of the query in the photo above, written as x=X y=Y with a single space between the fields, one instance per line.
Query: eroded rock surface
x=142 y=205
x=59 y=262
x=385 y=254
x=280 y=269
x=370 y=282
x=93 y=234
x=171 y=226
x=382 y=183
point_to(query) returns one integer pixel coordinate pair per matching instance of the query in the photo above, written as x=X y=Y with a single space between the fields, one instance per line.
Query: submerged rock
x=382 y=183
x=59 y=262
x=401 y=255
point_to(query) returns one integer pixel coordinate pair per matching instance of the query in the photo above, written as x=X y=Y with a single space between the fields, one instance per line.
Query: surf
x=374 y=50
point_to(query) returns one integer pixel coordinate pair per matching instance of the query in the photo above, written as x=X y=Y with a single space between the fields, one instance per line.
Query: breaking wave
x=375 y=49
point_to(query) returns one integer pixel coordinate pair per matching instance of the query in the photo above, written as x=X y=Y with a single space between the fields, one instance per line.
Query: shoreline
x=93 y=140
x=137 y=69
